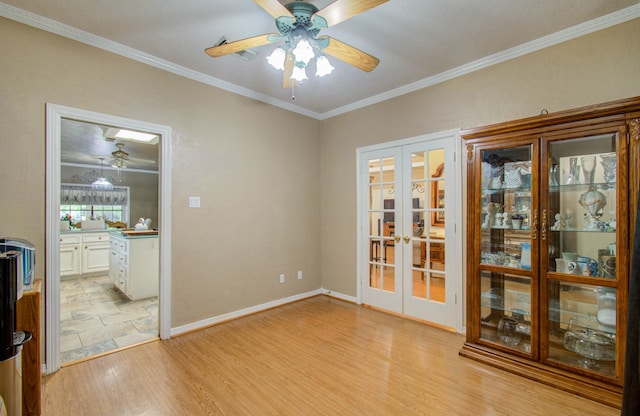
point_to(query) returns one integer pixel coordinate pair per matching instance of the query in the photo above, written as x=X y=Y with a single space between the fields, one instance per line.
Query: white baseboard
x=338 y=295
x=242 y=312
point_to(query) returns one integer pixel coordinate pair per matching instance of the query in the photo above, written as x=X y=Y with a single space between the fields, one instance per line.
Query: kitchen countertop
x=81 y=231
x=130 y=234
x=117 y=232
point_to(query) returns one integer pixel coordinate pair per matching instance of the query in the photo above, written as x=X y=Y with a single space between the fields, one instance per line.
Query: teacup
x=583 y=268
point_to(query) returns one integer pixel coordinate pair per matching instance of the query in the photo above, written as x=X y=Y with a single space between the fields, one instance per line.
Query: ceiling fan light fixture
x=299 y=74
x=119 y=164
x=303 y=52
x=277 y=58
x=323 y=66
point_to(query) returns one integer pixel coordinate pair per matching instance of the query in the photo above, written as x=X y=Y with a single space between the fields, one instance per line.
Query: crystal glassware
x=608 y=162
x=588 y=164
x=592 y=344
x=574 y=172
x=508 y=331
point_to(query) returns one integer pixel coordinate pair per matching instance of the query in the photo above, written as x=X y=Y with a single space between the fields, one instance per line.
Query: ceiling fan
x=119 y=157
x=299 y=23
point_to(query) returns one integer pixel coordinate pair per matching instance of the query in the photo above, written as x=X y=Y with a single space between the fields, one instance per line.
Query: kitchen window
x=81 y=202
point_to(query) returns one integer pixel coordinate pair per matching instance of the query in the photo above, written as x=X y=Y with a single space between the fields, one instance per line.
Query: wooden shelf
x=28 y=319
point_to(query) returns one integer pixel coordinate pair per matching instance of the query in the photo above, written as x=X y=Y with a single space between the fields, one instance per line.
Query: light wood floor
x=319 y=356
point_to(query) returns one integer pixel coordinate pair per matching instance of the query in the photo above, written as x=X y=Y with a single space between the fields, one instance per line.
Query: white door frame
x=454 y=211
x=55 y=114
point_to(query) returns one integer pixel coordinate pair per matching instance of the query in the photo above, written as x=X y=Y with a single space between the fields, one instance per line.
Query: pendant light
x=101 y=183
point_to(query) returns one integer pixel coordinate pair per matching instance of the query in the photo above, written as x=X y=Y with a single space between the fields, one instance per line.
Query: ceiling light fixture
x=302 y=49
x=101 y=183
x=301 y=44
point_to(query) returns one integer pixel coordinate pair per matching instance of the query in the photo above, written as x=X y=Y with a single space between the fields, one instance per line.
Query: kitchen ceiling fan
x=299 y=23
x=119 y=157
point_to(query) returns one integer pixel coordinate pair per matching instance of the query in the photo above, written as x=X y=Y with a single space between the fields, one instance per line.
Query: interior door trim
x=54 y=115
x=458 y=177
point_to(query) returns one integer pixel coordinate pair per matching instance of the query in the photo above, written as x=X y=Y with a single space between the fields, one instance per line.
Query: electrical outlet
x=282 y=278
x=299 y=274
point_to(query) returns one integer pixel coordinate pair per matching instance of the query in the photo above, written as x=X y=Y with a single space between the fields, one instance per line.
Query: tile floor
x=95 y=317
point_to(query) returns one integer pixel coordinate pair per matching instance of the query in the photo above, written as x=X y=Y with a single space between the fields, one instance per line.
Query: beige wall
x=600 y=67
x=257 y=176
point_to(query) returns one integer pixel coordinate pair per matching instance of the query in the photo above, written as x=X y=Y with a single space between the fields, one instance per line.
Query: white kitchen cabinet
x=84 y=253
x=95 y=252
x=70 y=257
x=135 y=265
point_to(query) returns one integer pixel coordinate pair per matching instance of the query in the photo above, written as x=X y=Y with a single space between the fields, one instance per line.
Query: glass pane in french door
x=428 y=225
x=382 y=224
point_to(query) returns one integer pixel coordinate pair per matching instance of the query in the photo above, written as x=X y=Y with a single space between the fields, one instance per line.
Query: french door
x=407 y=232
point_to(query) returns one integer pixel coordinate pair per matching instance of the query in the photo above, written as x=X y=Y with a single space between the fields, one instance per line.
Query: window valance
x=85 y=195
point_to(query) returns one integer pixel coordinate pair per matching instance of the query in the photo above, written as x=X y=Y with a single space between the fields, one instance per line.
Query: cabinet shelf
x=582 y=230
x=603 y=186
x=519 y=190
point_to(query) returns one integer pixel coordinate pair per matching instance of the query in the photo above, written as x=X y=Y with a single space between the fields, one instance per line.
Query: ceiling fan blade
x=351 y=55
x=274 y=8
x=341 y=10
x=289 y=62
x=241 y=45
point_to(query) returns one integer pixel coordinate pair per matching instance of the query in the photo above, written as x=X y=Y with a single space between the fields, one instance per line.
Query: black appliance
x=11 y=340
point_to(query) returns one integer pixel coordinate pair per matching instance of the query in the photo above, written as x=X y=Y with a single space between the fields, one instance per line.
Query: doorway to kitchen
x=409 y=236
x=91 y=303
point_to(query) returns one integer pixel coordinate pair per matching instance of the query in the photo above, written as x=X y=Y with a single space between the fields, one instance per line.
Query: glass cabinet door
x=581 y=235
x=508 y=253
x=505 y=236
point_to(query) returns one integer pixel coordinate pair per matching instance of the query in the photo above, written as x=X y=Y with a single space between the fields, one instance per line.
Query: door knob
x=407 y=239
x=397 y=238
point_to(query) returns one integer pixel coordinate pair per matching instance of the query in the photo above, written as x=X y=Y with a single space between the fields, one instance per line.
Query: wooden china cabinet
x=550 y=203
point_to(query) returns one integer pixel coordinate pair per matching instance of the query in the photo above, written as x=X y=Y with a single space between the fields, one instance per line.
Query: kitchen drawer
x=123 y=259
x=70 y=238
x=115 y=245
x=123 y=245
x=122 y=284
x=95 y=238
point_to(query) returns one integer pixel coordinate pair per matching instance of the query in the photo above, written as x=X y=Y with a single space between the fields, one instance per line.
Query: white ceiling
x=85 y=144
x=418 y=42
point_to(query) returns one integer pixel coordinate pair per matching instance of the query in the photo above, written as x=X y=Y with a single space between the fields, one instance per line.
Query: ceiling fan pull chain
x=293 y=96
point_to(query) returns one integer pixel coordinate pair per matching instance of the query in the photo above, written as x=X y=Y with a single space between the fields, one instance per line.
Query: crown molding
x=603 y=22
x=612 y=19
x=70 y=32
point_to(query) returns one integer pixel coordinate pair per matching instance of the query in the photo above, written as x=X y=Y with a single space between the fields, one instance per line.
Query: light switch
x=194 y=202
